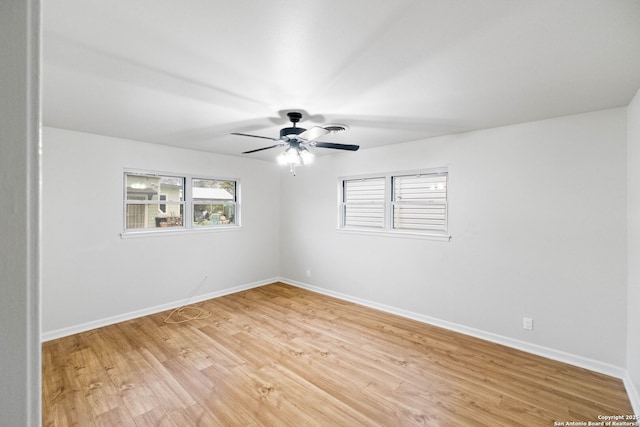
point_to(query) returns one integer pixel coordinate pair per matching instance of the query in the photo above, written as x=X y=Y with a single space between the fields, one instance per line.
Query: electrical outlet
x=308 y=273
x=527 y=323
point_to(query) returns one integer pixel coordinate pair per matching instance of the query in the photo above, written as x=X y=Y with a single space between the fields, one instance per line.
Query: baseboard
x=63 y=332
x=633 y=394
x=572 y=359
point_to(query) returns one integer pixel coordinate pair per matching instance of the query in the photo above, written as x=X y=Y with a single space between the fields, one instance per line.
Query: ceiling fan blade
x=264 y=148
x=313 y=133
x=347 y=147
x=254 y=136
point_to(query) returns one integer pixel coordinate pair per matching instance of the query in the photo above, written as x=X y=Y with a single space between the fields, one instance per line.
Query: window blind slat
x=364 y=190
x=419 y=218
x=364 y=216
x=420 y=187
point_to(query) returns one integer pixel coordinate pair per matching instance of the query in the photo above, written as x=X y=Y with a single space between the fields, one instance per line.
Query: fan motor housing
x=294 y=116
x=291 y=131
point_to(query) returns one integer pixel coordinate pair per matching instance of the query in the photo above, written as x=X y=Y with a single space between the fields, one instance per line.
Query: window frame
x=428 y=201
x=369 y=203
x=388 y=220
x=187 y=204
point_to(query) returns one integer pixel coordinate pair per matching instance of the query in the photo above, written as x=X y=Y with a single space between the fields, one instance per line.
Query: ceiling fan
x=298 y=140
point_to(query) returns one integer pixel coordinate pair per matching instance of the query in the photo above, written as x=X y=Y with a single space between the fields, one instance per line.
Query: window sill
x=177 y=232
x=399 y=234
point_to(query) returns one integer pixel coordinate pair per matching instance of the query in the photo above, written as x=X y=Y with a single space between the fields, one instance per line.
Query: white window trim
x=175 y=231
x=388 y=230
x=187 y=227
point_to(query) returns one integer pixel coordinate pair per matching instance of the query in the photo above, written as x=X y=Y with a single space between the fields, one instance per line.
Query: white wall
x=633 y=254
x=90 y=273
x=538 y=219
x=19 y=213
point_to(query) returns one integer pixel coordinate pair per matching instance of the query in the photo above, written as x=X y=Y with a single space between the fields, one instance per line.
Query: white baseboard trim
x=63 y=332
x=572 y=359
x=632 y=392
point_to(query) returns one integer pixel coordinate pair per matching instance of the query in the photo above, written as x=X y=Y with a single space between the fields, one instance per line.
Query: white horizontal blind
x=363 y=203
x=420 y=202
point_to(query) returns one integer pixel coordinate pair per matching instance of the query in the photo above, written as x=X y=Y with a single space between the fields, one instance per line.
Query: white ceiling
x=189 y=72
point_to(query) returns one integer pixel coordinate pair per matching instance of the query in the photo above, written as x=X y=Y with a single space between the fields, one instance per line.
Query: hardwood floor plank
x=118 y=416
x=166 y=388
x=130 y=383
x=280 y=355
x=89 y=377
x=156 y=417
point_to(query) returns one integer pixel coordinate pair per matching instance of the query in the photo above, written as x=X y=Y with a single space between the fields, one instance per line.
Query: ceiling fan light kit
x=295 y=156
x=298 y=140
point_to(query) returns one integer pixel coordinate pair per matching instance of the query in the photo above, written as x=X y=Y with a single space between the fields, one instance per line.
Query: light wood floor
x=282 y=356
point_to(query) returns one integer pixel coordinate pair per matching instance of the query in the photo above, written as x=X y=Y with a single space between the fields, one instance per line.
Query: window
x=170 y=202
x=214 y=202
x=420 y=202
x=363 y=204
x=397 y=203
x=146 y=208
